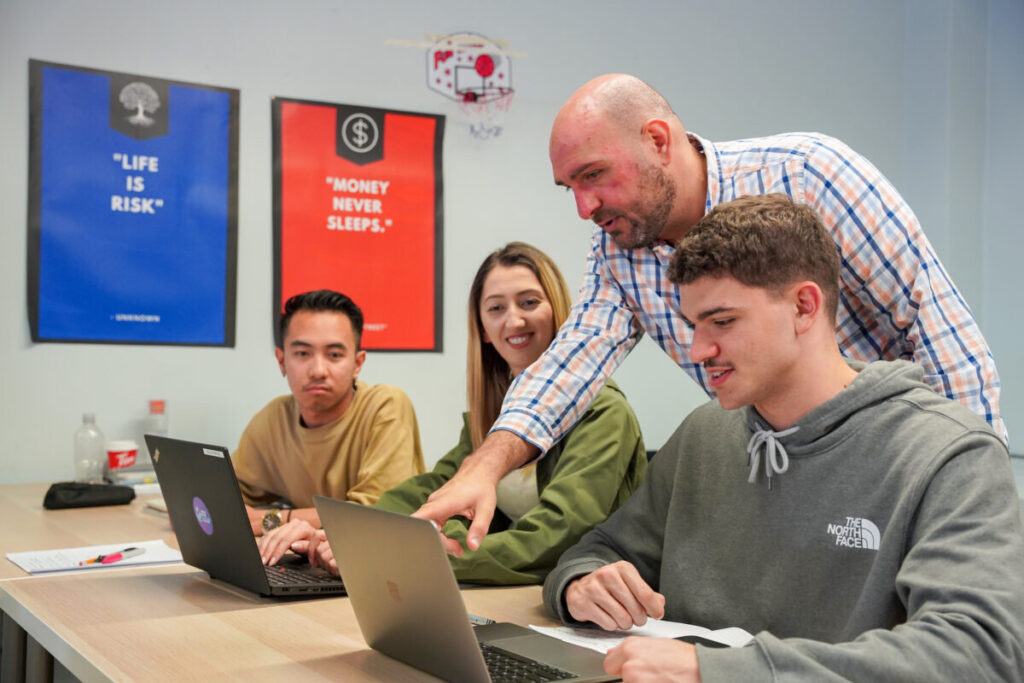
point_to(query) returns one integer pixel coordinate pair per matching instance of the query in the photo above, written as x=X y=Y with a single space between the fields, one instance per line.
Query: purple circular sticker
x=202 y=515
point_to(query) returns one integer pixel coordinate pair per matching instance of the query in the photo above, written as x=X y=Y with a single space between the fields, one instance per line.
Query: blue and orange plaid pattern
x=896 y=300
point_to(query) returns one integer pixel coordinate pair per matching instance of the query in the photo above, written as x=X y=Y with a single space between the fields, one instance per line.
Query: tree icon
x=143 y=99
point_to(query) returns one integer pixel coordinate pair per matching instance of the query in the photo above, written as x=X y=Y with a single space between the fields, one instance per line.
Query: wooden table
x=171 y=622
x=27 y=525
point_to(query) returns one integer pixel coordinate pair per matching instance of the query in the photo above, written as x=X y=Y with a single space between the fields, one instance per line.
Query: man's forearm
x=503 y=451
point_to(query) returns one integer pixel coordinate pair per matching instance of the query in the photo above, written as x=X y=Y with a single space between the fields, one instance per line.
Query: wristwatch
x=272 y=520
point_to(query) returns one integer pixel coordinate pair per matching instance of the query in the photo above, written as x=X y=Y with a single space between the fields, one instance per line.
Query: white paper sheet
x=602 y=641
x=65 y=559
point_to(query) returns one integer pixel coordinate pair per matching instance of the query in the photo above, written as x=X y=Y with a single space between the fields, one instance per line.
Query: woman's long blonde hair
x=487 y=374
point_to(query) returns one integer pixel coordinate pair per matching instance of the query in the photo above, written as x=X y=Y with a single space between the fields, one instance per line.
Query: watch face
x=271 y=520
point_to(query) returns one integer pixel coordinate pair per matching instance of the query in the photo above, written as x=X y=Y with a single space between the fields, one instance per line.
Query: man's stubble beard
x=658 y=193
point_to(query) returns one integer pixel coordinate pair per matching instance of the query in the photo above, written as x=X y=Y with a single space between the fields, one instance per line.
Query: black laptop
x=408 y=605
x=208 y=516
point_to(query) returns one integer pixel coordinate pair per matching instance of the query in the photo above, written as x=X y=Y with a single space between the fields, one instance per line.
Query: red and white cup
x=121 y=454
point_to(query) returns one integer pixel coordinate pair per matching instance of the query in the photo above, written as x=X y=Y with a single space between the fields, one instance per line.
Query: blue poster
x=132 y=208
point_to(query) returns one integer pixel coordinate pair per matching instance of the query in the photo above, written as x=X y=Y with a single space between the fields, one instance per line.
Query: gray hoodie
x=888 y=548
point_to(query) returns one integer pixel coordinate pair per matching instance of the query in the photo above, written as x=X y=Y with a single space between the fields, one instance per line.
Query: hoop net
x=484 y=109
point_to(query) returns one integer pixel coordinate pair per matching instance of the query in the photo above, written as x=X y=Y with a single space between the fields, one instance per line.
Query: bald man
x=644 y=181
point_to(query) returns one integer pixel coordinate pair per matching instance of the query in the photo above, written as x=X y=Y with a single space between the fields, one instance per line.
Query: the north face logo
x=856 y=533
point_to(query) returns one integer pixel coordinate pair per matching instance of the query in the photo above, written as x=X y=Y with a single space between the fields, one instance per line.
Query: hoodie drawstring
x=776 y=461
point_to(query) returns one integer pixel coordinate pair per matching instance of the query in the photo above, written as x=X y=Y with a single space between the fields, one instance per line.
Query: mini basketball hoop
x=476 y=73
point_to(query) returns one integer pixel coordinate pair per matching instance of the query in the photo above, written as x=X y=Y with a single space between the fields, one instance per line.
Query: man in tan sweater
x=333 y=435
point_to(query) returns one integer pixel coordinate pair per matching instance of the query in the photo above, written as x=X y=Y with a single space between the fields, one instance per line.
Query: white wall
x=1003 y=244
x=914 y=85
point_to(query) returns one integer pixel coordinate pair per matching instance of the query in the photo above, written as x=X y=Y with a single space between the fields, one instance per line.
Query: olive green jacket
x=581 y=480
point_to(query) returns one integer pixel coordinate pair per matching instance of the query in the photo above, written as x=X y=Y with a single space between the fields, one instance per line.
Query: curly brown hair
x=767 y=241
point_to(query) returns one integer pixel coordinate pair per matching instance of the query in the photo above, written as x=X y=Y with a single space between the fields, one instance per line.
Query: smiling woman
x=515 y=316
x=527 y=277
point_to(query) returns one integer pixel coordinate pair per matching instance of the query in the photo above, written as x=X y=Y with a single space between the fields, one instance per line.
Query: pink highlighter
x=114 y=557
x=123 y=555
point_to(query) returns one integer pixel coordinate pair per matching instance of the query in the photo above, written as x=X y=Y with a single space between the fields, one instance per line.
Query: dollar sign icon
x=359 y=133
x=360 y=136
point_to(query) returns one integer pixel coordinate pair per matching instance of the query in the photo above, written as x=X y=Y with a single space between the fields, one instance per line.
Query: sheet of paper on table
x=116 y=554
x=602 y=641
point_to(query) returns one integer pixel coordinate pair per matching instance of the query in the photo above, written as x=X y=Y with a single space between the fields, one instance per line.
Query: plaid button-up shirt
x=895 y=298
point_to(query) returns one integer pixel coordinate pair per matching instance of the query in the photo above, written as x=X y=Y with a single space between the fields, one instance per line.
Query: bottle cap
x=157 y=407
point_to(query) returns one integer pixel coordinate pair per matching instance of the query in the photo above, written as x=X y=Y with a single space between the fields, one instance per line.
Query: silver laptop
x=209 y=519
x=408 y=605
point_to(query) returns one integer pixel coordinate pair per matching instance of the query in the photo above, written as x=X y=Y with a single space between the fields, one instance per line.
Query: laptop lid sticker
x=202 y=514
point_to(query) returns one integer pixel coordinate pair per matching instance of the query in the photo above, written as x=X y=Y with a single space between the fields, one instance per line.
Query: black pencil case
x=73 y=494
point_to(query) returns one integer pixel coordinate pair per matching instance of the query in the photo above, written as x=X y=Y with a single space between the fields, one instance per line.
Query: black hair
x=323 y=300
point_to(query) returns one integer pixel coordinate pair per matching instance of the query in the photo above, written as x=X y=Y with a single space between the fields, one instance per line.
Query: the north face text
x=856 y=533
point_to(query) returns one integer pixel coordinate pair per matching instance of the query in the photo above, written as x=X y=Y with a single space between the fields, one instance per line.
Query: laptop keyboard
x=504 y=666
x=289 y=576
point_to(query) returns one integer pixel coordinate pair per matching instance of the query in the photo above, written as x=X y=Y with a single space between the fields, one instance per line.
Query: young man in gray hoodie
x=862 y=526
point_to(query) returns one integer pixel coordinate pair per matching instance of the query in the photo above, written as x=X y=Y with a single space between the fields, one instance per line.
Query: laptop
x=408 y=605
x=208 y=517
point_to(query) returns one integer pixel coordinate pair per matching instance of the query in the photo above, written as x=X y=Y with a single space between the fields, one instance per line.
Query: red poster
x=357 y=209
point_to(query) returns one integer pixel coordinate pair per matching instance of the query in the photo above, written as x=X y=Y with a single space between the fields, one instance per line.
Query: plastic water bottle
x=89 y=451
x=154 y=423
